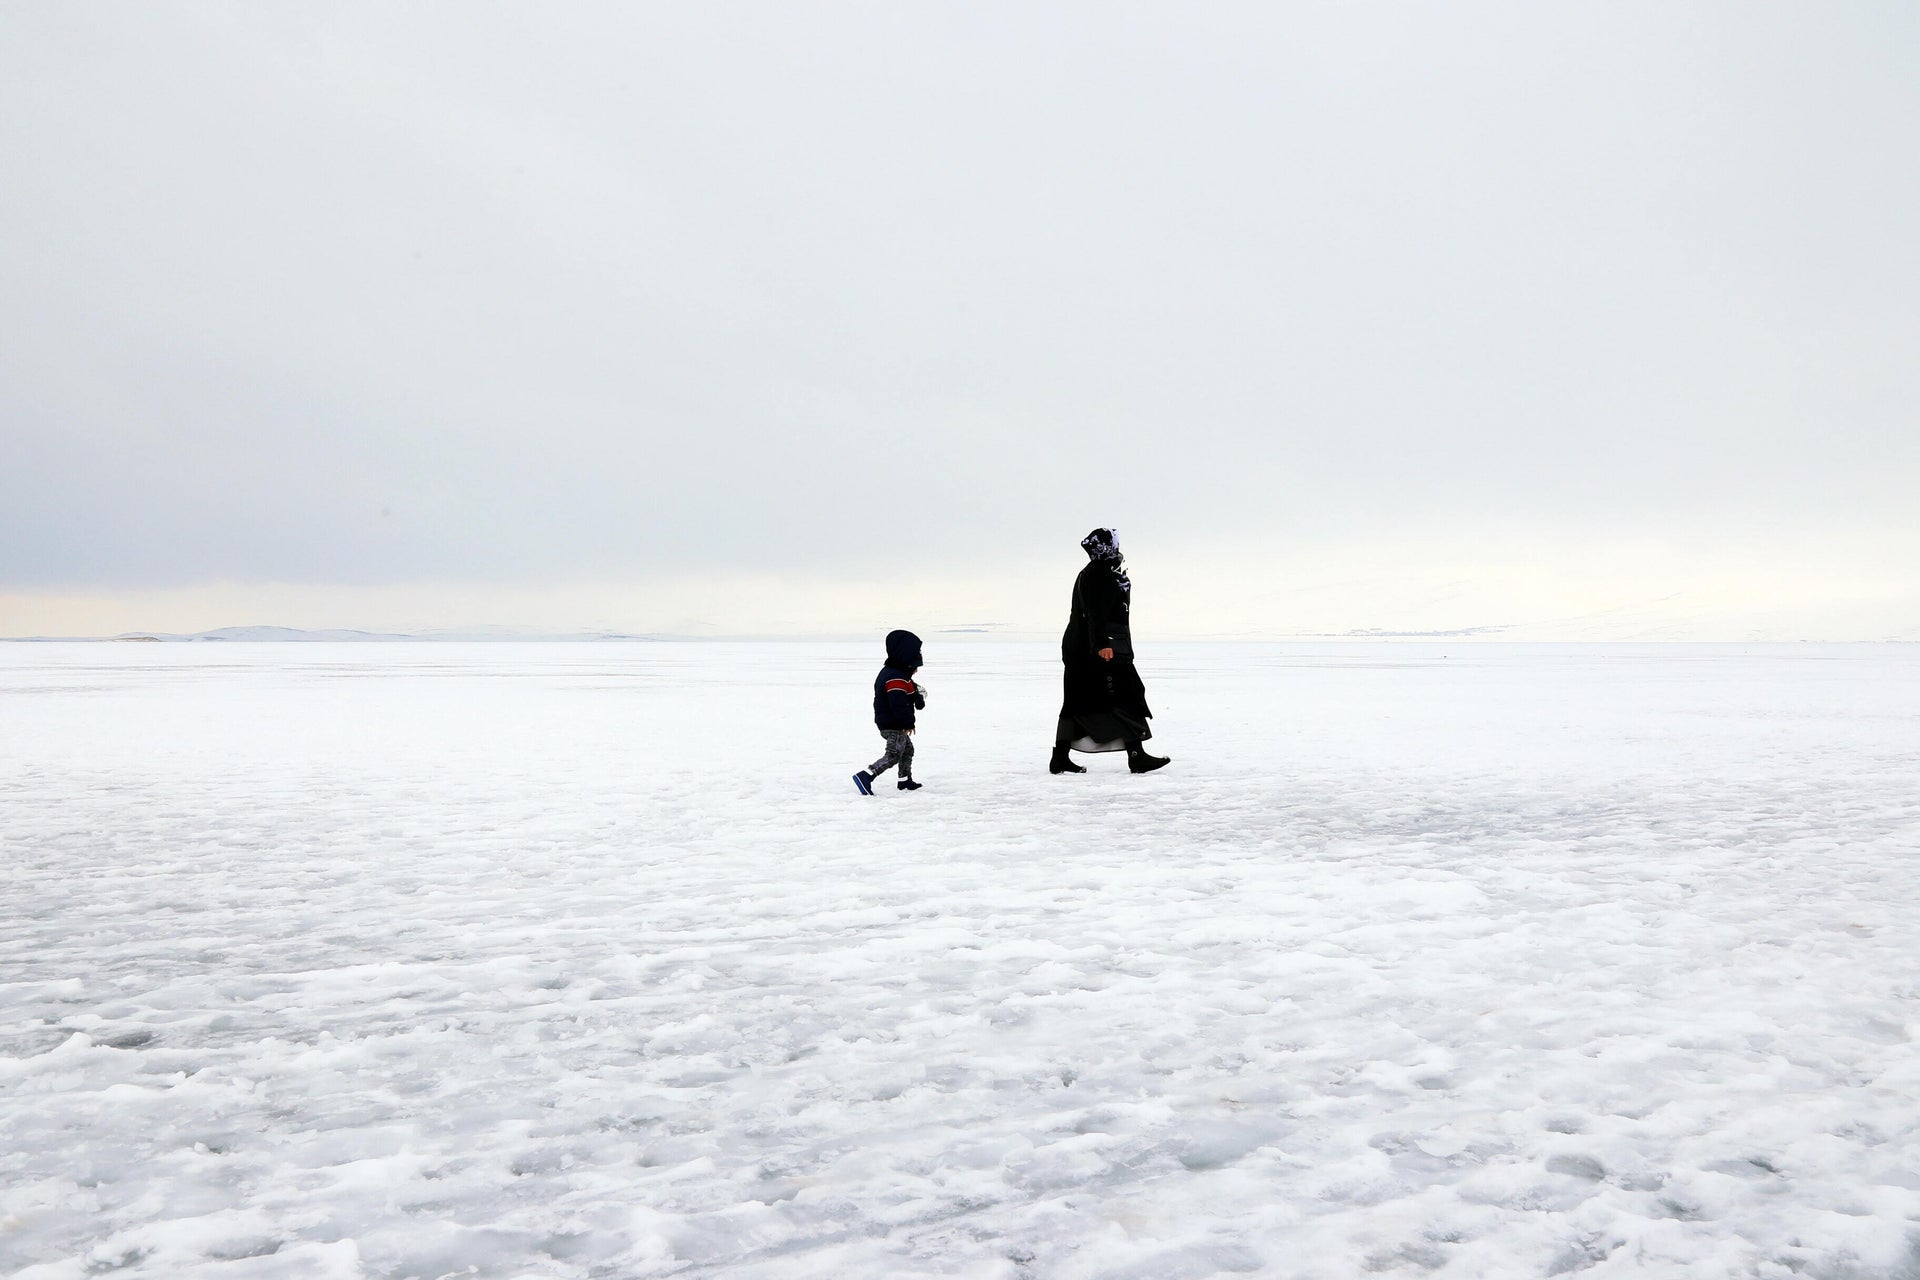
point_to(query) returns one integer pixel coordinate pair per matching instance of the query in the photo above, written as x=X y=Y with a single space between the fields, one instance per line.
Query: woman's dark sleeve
x=1098 y=597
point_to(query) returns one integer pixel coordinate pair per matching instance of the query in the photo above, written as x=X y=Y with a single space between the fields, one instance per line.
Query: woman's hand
x=1106 y=655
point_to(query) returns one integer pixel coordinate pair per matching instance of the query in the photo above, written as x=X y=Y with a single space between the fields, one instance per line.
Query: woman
x=1105 y=708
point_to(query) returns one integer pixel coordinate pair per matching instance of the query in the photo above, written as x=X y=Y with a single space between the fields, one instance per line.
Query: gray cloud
x=363 y=294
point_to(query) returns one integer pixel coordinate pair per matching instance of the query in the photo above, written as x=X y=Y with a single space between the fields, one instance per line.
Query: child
x=895 y=698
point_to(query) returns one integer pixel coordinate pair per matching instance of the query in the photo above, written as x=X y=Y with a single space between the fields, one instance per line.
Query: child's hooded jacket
x=895 y=696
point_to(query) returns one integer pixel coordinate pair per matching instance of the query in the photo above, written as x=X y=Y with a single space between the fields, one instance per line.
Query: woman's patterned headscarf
x=1102 y=544
x=1103 y=547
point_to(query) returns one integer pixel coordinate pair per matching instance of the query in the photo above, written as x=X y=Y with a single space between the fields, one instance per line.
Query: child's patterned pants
x=899 y=751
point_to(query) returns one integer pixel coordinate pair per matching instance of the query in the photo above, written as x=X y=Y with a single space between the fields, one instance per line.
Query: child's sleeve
x=900 y=701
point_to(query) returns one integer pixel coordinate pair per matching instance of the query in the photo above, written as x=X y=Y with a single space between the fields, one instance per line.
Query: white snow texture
x=331 y=961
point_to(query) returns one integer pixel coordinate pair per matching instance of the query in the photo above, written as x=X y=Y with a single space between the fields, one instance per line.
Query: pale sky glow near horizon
x=1539 y=322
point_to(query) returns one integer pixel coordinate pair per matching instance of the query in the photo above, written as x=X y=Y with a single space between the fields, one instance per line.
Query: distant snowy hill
x=257 y=635
x=252 y=634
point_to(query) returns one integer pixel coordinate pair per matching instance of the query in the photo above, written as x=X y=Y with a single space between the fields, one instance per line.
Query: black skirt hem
x=1095 y=731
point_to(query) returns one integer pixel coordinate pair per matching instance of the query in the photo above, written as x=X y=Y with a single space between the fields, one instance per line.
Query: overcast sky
x=809 y=318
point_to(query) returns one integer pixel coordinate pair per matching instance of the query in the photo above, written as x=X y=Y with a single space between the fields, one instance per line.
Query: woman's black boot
x=1060 y=763
x=1138 y=761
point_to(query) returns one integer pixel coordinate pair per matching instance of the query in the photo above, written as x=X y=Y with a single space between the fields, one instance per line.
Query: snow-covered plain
x=587 y=961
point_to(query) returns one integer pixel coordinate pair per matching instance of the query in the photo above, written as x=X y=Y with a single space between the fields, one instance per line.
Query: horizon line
x=1486 y=635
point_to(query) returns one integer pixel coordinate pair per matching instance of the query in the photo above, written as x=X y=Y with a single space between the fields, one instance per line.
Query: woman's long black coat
x=1104 y=700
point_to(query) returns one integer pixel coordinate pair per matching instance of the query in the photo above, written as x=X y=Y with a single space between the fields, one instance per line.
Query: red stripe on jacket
x=899 y=686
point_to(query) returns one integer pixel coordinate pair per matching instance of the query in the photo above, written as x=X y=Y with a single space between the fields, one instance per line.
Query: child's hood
x=903 y=649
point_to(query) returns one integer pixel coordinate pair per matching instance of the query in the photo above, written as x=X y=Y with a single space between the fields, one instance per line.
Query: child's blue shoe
x=864 y=781
x=908 y=784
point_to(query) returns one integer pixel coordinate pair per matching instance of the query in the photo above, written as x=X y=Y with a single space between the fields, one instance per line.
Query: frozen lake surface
x=588 y=961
